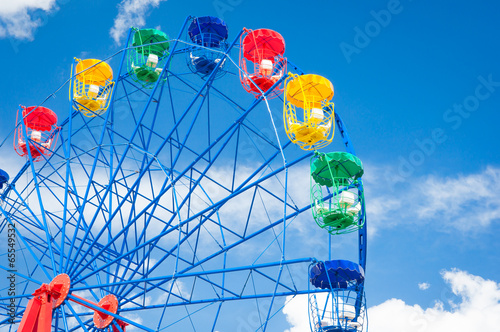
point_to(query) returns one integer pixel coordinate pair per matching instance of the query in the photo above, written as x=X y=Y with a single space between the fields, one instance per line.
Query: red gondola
x=265 y=49
x=38 y=131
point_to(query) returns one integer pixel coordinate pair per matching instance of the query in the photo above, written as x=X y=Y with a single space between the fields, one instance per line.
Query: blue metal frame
x=133 y=203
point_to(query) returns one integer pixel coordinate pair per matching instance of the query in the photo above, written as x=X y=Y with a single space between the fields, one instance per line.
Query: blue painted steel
x=140 y=202
x=336 y=274
x=362 y=232
x=142 y=173
x=14 y=180
x=67 y=154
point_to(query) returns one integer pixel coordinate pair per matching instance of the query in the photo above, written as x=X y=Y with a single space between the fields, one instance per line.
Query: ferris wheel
x=165 y=199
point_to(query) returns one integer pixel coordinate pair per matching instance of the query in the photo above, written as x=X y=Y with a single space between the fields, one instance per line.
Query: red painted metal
x=59 y=287
x=264 y=49
x=39 y=118
x=40 y=132
x=38 y=314
x=263 y=44
x=109 y=303
x=121 y=324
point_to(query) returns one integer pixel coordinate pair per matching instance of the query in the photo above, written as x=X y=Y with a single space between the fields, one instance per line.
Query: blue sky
x=418 y=86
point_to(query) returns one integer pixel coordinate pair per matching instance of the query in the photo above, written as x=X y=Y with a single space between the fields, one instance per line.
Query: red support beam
x=38 y=314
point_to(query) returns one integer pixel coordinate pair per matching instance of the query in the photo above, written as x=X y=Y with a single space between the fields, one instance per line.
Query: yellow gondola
x=314 y=127
x=92 y=86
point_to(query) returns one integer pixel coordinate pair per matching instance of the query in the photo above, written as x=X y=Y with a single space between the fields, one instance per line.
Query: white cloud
x=19 y=19
x=294 y=311
x=131 y=13
x=423 y=286
x=135 y=318
x=463 y=202
x=477 y=309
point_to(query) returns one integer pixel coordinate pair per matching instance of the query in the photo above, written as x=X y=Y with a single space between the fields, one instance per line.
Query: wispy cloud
x=19 y=19
x=131 y=13
x=424 y=285
x=462 y=199
x=461 y=202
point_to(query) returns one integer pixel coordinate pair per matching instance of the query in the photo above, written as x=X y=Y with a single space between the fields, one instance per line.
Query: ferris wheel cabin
x=37 y=133
x=308 y=112
x=343 y=310
x=335 y=195
x=4 y=178
x=92 y=87
x=264 y=48
x=209 y=35
x=147 y=55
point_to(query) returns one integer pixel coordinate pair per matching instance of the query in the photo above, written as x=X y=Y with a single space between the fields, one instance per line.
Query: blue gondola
x=4 y=178
x=343 y=310
x=209 y=34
